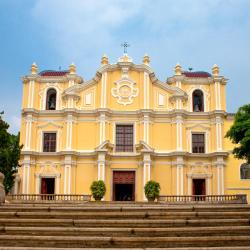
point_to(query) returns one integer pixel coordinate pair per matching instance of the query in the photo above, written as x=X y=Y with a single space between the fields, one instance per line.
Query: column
x=218 y=126
x=146 y=90
x=67 y=174
x=28 y=133
x=102 y=120
x=101 y=165
x=179 y=123
x=146 y=170
x=69 y=123
x=104 y=90
x=179 y=176
x=146 y=128
x=26 y=174
x=31 y=94
x=217 y=87
x=220 y=175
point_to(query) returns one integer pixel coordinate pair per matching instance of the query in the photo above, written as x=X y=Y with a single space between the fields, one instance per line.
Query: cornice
x=154 y=154
x=133 y=113
x=43 y=79
x=196 y=80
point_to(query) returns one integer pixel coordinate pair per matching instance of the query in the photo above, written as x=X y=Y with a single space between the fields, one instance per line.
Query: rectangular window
x=124 y=138
x=198 y=143
x=49 y=142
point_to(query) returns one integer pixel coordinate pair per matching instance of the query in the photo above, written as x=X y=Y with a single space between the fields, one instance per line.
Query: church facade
x=126 y=127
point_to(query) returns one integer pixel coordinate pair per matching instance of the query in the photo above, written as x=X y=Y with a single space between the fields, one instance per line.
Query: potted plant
x=98 y=189
x=152 y=190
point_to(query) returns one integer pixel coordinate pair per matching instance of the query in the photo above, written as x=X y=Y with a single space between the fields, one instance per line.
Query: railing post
x=2 y=190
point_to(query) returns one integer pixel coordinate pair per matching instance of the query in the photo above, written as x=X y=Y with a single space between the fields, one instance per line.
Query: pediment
x=125 y=66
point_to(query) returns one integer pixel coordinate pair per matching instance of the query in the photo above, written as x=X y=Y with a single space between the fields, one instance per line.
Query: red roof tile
x=198 y=74
x=53 y=73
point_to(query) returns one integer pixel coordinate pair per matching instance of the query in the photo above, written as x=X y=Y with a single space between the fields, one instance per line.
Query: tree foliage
x=9 y=154
x=239 y=133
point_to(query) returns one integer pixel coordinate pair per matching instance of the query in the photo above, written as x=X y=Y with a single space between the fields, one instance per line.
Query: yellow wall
x=163 y=120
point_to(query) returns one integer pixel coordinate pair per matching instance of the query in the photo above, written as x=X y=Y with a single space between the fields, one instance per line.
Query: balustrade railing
x=217 y=199
x=48 y=197
x=234 y=198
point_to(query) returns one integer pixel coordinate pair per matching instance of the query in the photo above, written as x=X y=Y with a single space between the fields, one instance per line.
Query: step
x=132 y=232
x=141 y=242
x=183 y=248
x=162 y=223
x=124 y=215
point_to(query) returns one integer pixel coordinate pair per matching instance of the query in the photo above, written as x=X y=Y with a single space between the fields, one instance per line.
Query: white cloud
x=193 y=32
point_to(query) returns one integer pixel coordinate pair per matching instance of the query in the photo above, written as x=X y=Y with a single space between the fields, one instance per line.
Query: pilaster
x=219 y=164
x=146 y=170
x=179 y=175
x=102 y=130
x=28 y=133
x=69 y=131
x=26 y=174
x=68 y=174
x=219 y=135
x=146 y=90
x=101 y=165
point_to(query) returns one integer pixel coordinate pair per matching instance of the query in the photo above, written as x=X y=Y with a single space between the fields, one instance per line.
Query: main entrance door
x=199 y=187
x=123 y=185
x=48 y=186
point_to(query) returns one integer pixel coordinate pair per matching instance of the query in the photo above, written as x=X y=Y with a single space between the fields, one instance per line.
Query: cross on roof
x=125 y=45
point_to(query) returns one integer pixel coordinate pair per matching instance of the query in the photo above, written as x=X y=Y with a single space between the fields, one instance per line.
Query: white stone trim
x=217 y=96
x=134 y=133
x=146 y=128
x=43 y=95
x=179 y=133
x=206 y=97
x=127 y=98
x=41 y=133
x=146 y=90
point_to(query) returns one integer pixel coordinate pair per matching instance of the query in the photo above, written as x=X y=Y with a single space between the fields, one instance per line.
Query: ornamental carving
x=125 y=91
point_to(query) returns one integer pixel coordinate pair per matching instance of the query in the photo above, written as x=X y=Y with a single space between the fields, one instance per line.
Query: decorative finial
x=105 y=60
x=72 y=68
x=178 y=69
x=125 y=46
x=146 y=59
x=215 y=70
x=34 y=69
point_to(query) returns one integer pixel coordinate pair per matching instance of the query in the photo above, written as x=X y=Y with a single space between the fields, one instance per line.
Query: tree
x=9 y=154
x=239 y=133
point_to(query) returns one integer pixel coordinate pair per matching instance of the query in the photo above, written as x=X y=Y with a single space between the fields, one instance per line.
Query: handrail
x=229 y=198
x=48 y=197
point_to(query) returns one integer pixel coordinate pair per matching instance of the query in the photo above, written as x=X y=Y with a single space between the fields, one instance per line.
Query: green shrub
x=98 y=189
x=152 y=190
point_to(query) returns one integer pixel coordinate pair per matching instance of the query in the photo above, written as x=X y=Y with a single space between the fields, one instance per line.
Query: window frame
x=203 y=101
x=115 y=137
x=56 y=140
x=46 y=99
x=204 y=142
x=240 y=173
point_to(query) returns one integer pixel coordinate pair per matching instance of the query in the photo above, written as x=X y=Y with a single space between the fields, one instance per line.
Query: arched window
x=51 y=99
x=198 y=101
x=244 y=171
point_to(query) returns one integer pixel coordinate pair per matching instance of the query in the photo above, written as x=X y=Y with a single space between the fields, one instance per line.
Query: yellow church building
x=125 y=127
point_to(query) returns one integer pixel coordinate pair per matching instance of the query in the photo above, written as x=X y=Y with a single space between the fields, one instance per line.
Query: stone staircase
x=124 y=225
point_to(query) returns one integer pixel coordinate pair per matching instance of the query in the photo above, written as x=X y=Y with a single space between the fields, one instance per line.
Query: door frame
x=112 y=184
x=203 y=186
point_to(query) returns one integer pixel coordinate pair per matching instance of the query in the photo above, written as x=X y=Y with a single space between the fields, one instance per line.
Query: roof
x=199 y=74
x=53 y=73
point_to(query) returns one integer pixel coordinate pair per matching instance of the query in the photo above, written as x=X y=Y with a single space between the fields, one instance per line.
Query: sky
x=55 y=33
